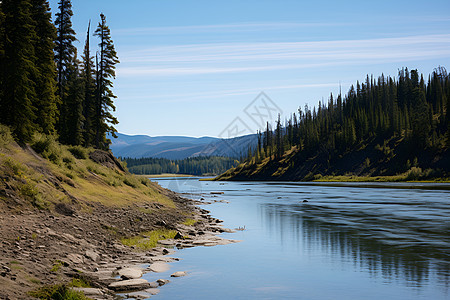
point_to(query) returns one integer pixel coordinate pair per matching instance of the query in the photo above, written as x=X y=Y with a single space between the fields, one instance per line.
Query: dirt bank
x=41 y=247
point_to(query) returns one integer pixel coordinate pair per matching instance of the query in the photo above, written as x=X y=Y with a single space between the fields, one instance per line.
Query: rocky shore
x=41 y=248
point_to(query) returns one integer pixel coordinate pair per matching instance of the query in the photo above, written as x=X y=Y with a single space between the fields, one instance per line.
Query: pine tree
x=72 y=122
x=278 y=139
x=64 y=54
x=104 y=121
x=88 y=77
x=46 y=100
x=18 y=69
x=420 y=123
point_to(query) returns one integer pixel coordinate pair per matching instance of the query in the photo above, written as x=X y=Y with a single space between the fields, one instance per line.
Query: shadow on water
x=409 y=249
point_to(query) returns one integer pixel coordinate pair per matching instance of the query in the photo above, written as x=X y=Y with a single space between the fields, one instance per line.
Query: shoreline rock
x=51 y=248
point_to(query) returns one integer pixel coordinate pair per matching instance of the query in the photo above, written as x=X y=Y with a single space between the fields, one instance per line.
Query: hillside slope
x=391 y=161
x=66 y=209
x=382 y=127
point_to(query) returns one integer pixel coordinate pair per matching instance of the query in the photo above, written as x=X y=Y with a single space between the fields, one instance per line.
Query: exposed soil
x=42 y=247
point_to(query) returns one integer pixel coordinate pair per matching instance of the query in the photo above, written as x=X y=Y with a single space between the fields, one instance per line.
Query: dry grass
x=45 y=179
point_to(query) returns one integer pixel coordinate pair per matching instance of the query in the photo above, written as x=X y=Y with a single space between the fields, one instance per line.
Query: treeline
x=383 y=126
x=382 y=108
x=44 y=86
x=200 y=165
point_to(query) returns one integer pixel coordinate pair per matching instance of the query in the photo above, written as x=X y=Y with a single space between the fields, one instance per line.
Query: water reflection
x=390 y=245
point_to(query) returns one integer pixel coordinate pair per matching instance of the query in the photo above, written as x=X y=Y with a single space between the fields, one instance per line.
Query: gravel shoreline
x=42 y=247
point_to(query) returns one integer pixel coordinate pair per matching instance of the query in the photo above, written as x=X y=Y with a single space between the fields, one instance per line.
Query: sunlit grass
x=57 y=291
x=189 y=222
x=58 y=171
x=148 y=240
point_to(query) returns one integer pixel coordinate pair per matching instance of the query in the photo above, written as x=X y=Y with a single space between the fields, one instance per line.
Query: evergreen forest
x=381 y=127
x=200 y=165
x=45 y=86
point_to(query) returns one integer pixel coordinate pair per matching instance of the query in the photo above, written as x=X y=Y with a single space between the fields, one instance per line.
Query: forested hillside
x=44 y=86
x=200 y=165
x=382 y=127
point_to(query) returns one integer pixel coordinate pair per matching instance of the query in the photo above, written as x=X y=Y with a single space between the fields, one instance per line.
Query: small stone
x=152 y=291
x=129 y=285
x=92 y=255
x=138 y=295
x=130 y=273
x=179 y=274
x=162 y=282
x=89 y=291
x=159 y=267
x=75 y=258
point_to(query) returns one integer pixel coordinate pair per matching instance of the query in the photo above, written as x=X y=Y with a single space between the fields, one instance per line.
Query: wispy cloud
x=197 y=59
x=217 y=94
x=231 y=28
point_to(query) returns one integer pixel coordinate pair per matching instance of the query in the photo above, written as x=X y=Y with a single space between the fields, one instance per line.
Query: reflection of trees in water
x=394 y=260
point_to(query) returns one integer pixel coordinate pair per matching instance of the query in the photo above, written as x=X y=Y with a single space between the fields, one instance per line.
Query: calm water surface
x=354 y=241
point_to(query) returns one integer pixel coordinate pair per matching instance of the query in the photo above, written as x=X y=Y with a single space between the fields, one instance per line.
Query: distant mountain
x=179 y=147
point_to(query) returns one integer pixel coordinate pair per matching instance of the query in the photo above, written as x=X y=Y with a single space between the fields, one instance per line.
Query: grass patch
x=79 y=152
x=14 y=167
x=148 y=240
x=56 y=266
x=5 y=136
x=131 y=181
x=80 y=282
x=57 y=292
x=189 y=222
x=412 y=175
x=34 y=280
x=15 y=265
x=41 y=182
x=146 y=210
x=98 y=191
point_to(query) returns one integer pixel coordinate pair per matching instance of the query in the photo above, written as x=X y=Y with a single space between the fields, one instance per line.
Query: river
x=318 y=241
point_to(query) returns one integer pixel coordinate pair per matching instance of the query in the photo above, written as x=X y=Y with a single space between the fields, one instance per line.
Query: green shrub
x=145 y=181
x=80 y=282
x=131 y=181
x=5 y=136
x=31 y=193
x=78 y=152
x=47 y=146
x=57 y=292
x=414 y=173
x=15 y=167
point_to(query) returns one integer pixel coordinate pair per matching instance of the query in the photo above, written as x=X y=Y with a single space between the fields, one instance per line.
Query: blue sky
x=193 y=67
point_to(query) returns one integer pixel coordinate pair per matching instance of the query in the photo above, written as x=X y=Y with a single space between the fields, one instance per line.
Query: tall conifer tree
x=46 y=100
x=104 y=121
x=88 y=77
x=64 y=52
x=72 y=122
x=18 y=69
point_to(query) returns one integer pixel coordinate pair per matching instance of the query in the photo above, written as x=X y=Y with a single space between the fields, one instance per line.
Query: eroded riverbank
x=43 y=248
